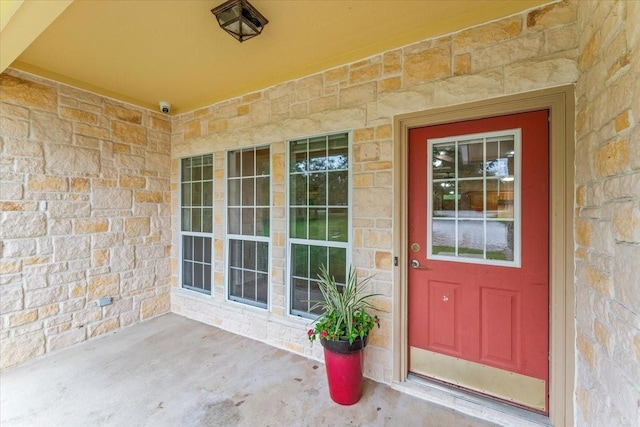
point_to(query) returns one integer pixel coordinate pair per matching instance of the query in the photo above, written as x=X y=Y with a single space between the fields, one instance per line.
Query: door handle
x=416 y=265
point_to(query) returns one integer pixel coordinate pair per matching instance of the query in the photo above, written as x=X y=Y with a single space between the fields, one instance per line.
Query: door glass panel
x=473 y=201
x=471 y=239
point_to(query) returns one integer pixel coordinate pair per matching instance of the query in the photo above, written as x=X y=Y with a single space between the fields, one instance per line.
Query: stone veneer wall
x=608 y=214
x=84 y=213
x=520 y=53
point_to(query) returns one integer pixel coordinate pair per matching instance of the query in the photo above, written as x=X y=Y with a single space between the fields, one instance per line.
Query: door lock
x=416 y=264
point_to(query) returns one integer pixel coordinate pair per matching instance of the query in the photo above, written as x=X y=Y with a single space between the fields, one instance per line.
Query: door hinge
x=395 y=261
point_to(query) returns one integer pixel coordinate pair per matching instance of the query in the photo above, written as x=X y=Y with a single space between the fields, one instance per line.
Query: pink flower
x=310 y=332
x=324 y=333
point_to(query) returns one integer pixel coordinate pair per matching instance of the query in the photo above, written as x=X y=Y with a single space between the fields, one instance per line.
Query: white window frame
x=517 y=217
x=182 y=233
x=230 y=236
x=347 y=246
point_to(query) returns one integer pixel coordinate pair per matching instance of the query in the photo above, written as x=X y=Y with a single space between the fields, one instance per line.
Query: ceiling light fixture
x=240 y=19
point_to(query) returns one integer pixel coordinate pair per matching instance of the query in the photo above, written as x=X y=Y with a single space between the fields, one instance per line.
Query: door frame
x=560 y=101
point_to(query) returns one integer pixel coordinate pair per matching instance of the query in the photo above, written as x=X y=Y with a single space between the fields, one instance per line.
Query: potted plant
x=343 y=330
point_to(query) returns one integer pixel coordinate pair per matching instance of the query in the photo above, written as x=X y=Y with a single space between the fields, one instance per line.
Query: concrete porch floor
x=172 y=371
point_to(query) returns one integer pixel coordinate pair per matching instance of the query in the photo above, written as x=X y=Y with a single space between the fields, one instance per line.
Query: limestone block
x=103 y=285
x=586 y=349
x=23 y=317
x=137 y=226
x=484 y=35
x=111 y=198
x=28 y=94
x=119 y=306
x=86 y=225
x=193 y=129
x=427 y=65
x=90 y=130
x=67 y=159
x=599 y=281
x=365 y=74
x=14 y=128
x=336 y=75
x=47 y=183
x=122 y=113
x=560 y=13
x=626 y=222
x=11 y=299
x=309 y=88
x=154 y=306
x=9 y=110
x=127 y=132
x=45 y=127
x=17 y=349
x=160 y=124
x=392 y=62
x=48 y=311
x=66 y=339
x=562 y=38
x=373 y=202
x=613 y=158
x=11 y=190
x=383 y=260
x=468 y=87
x=78 y=115
x=584 y=231
x=45 y=296
x=402 y=102
x=529 y=46
x=357 y=95
x=103 y=327
x=157 y=162
x=122 y=258
x=66 y=249
x=539 y=73
x=18 y=224
x=148 y=197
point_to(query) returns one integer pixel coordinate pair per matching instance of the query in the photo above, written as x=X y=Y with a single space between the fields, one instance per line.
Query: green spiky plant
x=344 y=308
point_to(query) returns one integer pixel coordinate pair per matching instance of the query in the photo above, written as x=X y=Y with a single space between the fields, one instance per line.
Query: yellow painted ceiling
x=144 y=51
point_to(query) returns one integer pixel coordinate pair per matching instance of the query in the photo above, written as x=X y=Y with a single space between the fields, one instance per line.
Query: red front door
x=478 y=248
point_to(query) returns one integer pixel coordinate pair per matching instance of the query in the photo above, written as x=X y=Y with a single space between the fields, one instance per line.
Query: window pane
x=196 y=194
x=298 y=156
x=338 y=224
x=317 y=224
x=262 y=287
x=262 y=256
x=233 y=192
x=338 y=152
x=471 y=199
x=207 y=220
x=248 y=185
x=263 y=162
x=196 y=219
x=186 y=194
x=187 y=247
x=233 y=164
x=338 y=188
x=317 y=189
x=248 y=165
x=443 y=162
x=198 y=272
x=186 y=219
x=298 y=190
x=444 y=237
x=504 y=199
x=500 y=240
x=249 y=255
x=298 y=223
x=235 y=253
x=471 y=239
x=207 y=278
x=263 y=191
x=444 y=199
x=262 y=222
x=300 y=260
x=207 y=167
x=187 y=273
x=317 y=258
x=234 y=220
x=249 y=285
x=300 y=297
x=198 y=249
x=470 y=159
x=186 y=170
x=248 y=221
x=207 y=193
x=338 y=264
x=318 y=154
x=235 y=282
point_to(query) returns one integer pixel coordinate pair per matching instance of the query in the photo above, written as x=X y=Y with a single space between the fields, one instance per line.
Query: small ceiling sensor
x=165 y=107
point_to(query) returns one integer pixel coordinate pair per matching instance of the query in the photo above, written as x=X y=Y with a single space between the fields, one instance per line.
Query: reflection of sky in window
x=498 y=167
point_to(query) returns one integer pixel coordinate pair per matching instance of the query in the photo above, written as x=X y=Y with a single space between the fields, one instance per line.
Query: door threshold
x=470 y=403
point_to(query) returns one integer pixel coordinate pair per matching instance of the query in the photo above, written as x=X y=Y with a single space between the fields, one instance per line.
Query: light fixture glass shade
x=240 y=19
